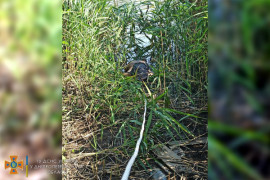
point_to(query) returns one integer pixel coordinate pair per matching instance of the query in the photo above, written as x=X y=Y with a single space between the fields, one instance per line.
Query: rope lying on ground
x=135 y=154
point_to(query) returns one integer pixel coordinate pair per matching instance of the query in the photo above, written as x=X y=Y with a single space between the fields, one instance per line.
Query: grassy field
x=102 y=109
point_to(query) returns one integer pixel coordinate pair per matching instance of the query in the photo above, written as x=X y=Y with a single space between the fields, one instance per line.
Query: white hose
x=135 y=154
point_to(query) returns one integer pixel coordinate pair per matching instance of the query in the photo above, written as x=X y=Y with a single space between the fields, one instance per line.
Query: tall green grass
x=98 y=40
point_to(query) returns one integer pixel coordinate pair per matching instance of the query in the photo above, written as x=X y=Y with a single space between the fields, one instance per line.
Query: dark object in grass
x=139 y=68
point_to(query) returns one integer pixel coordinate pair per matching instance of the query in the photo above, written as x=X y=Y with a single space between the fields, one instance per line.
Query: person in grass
x=139 y=68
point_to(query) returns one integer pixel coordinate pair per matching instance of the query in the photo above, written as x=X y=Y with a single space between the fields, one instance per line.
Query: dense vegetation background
x=102 y=109
x=239 y=83
x=30 y=86
x=30 y=115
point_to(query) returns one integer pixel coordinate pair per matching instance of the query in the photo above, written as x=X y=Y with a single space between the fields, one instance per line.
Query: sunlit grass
x=99 y=39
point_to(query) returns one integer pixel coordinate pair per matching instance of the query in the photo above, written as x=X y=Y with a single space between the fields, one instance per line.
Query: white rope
x=135 y=154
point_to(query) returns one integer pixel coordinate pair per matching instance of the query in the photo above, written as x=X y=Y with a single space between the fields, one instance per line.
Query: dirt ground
x=105 y=159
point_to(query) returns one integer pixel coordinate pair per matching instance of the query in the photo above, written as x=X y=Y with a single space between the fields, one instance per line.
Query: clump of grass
x=98 y=40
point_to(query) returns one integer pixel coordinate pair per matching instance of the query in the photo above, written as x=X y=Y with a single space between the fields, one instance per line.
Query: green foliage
x=99 y=39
